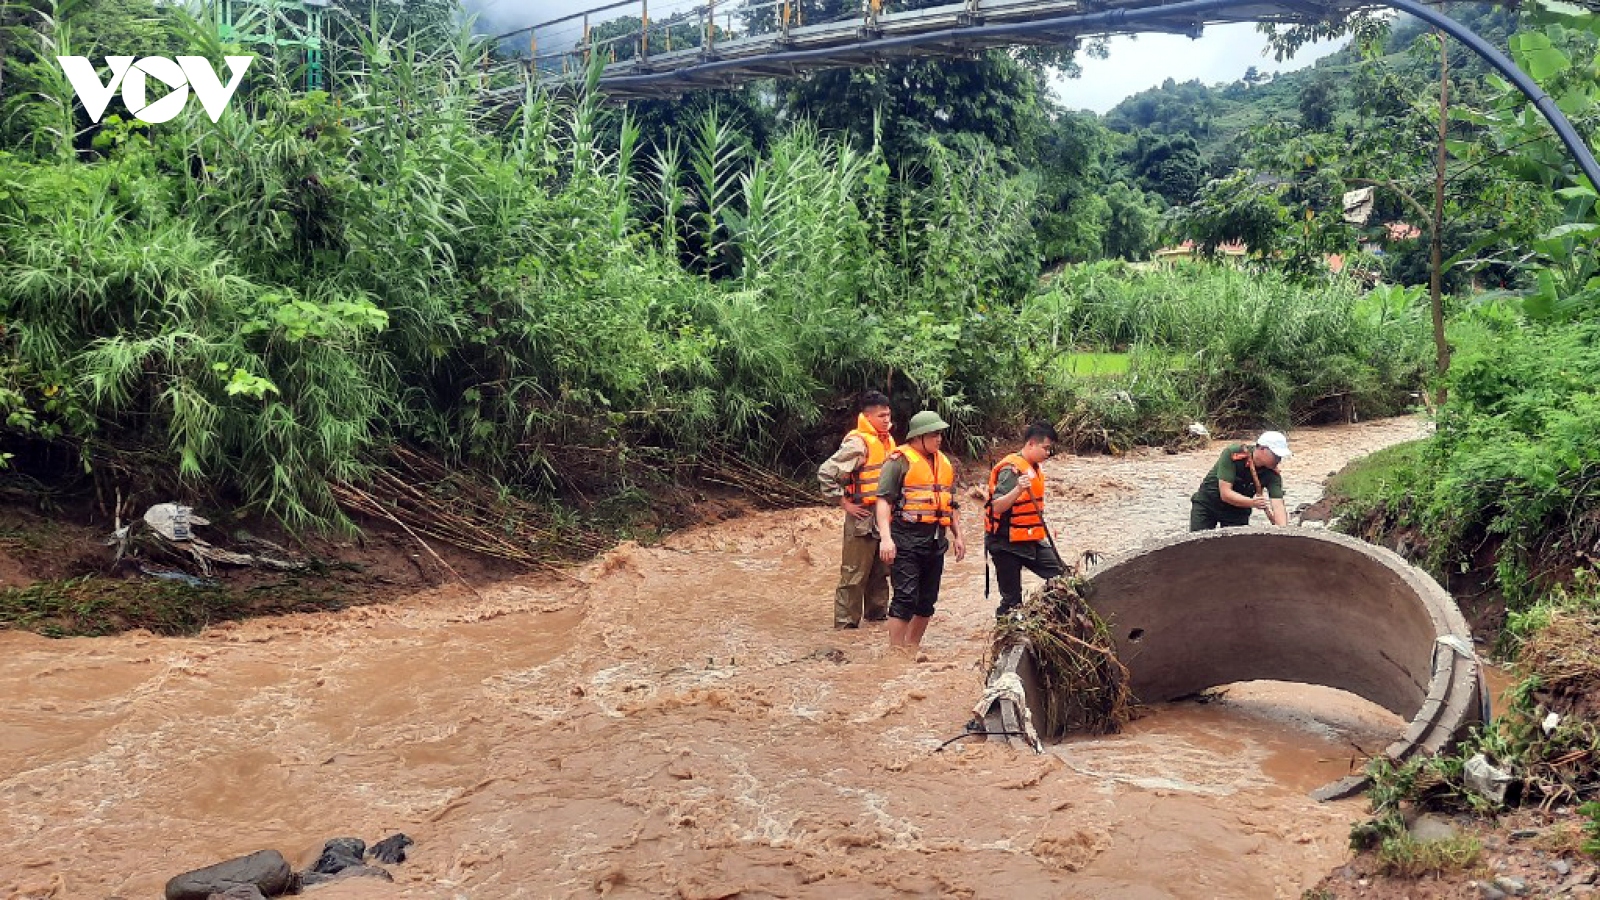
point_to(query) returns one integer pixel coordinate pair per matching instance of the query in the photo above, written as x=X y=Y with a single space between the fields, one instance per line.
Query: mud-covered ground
x=679 y=720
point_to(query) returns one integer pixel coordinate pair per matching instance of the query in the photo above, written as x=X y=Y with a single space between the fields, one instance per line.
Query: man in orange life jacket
x=1013 y=521
x=850 y=476
x=1227 y=496
x=916 y=508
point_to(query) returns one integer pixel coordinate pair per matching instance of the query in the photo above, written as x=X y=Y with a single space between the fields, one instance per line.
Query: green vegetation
x=1090 y=364
x=1221 y=118
x=1591 y=828
x=1377 y=483
x=1405 y=857
x=270 y=301
x=91 y=606
x=259 y=310
x=1221 y=345
x=1510 y=469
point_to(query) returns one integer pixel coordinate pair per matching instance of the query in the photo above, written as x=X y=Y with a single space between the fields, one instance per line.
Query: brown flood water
x=672 y=721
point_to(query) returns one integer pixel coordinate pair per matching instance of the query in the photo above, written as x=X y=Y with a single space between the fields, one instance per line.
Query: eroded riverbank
x=670 y=720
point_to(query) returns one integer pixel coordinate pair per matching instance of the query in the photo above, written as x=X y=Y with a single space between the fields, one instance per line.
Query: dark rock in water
x=266 y=870
x=367 y=872
x=349 y=846
x=312 y=879
x=392 y=849
x=339 y=854
x=240 y=892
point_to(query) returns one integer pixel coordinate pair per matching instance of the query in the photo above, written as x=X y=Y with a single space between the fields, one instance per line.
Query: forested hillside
x=263 y=307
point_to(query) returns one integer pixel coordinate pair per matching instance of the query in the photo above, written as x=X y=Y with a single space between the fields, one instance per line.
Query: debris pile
x=1558 y=722
x=165 y=534
x=426 y=499
x=1085 y=686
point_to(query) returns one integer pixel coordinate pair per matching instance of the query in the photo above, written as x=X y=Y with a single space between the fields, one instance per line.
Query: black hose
x=980 y=733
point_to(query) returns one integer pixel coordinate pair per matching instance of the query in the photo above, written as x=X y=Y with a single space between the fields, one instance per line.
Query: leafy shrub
x=1234 y=348
x=262 y=305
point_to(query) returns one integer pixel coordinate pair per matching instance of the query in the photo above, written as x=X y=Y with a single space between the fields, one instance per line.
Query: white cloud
x=1143 y=62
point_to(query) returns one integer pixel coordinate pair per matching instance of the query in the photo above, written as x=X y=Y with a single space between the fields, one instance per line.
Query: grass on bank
x=1380 y=481
x=1094 y=364
x=1406 y=857
x=91 y=606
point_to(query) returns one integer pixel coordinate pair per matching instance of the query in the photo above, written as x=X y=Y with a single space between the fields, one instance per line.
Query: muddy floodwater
x=675 y=721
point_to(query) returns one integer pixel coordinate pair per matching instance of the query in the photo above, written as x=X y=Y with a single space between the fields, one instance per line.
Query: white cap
x=1276 y=442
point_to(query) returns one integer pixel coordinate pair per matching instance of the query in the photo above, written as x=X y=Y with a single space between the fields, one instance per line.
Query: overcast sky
x=505 y=15
x=1136 y=63
x=1143 y=62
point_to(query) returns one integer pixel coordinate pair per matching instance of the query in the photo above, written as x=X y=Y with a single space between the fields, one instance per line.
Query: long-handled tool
x=1250 y=458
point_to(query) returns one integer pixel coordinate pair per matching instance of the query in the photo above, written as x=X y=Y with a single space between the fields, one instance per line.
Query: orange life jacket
x=926 y=492
x=863 y=486
x=1025 y=519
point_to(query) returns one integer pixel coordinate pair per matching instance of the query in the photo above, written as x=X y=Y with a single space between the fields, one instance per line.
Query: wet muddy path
x=672 y=721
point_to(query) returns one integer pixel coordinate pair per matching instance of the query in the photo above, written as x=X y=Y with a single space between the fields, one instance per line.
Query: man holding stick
x=1015 y=534
x=1244 y=479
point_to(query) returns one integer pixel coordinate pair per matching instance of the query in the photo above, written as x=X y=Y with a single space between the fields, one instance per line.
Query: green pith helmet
x=925 y=422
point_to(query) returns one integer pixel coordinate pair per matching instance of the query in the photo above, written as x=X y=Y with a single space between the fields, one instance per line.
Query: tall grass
x=1245 y=348
x=267 y=302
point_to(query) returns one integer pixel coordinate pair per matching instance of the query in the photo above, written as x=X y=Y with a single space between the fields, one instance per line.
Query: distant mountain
x=1219 y=117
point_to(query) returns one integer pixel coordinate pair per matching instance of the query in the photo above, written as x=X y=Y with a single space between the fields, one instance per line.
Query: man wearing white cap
x=1244 y=479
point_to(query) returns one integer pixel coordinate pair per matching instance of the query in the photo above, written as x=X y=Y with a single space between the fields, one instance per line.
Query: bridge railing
x=645 y=34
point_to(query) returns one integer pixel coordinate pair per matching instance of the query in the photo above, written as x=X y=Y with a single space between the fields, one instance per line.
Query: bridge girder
x=973 y=25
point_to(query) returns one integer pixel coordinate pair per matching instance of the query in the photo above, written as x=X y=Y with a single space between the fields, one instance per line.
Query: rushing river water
x=671 y=721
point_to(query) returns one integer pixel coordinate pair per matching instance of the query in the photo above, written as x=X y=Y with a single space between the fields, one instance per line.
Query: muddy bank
x=677 y=720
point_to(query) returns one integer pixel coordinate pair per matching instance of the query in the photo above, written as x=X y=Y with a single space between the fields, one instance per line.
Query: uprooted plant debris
x=1557 y=722
x=1085 y=686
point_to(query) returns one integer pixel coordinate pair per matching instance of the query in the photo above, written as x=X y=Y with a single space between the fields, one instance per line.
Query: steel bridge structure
x=663 y=48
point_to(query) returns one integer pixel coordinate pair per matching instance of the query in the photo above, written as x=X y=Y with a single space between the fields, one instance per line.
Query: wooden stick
x=424 y=543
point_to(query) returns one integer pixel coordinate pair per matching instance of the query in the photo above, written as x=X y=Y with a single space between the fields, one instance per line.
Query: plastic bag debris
x=1485 y=779
x=173 y=521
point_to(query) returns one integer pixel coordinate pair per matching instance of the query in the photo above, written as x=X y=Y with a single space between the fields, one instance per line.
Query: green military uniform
x=863 y=590
x=1207 y=509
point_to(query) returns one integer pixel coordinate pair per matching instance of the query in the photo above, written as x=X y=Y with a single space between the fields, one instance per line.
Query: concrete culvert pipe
x=1200 y=610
